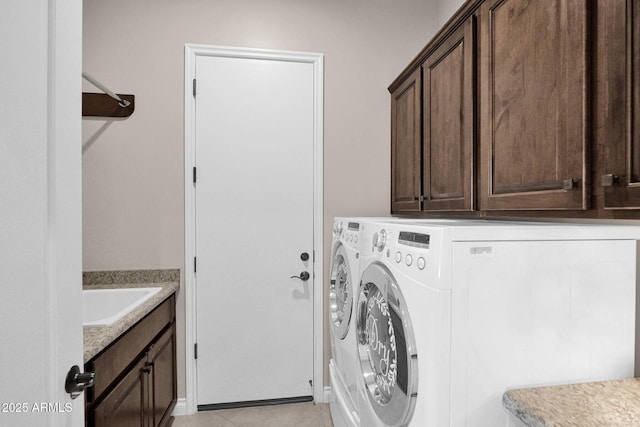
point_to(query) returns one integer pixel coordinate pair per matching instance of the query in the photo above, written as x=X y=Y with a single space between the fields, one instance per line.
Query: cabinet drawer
x=114 y=360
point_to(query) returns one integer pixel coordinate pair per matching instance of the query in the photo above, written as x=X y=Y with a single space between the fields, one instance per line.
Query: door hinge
x=195 y=264
x=194 y=87
x=194 y=174
x=195 y=351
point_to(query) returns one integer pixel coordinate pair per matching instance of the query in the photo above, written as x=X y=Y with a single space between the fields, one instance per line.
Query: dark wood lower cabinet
x=162 y=385
x=125 y=405
x=144 y=392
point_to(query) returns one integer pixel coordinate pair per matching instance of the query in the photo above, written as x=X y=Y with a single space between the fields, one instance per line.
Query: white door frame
x=192 y=51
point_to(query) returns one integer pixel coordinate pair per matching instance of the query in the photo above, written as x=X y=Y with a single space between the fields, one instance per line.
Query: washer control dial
x=408 y=260
x=337 y=229
x=398 y=257
x=380 y=239
x=421 y=263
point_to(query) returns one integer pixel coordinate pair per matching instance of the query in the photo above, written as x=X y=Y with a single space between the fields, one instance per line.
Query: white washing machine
x=344 y=277
x=451 y=315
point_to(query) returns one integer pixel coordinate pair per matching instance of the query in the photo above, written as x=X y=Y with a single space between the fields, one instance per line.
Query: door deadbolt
x=304 y=256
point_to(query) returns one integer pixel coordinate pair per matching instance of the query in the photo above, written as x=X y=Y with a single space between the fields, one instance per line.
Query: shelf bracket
x=107 y=104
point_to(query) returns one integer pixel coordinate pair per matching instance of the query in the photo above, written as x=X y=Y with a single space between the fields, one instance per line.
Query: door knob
x=304 y=276
x=304 y=256
x=76 y=381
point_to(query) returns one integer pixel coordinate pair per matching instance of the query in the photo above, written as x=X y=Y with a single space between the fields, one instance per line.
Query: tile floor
x=289 y=415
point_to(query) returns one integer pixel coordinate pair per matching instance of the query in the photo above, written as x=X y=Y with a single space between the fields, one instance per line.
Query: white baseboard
x=327 y=394
x=181 y=407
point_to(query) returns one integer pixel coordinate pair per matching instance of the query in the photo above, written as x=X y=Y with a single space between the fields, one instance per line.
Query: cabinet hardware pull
x=609 y=180
x=569 y=184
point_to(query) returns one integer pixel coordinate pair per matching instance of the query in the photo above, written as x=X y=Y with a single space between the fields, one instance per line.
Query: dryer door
x=340 y=293
x=386 y=347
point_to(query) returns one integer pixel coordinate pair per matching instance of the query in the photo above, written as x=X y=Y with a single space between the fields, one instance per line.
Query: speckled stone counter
x=97 y=338
x=604 y=403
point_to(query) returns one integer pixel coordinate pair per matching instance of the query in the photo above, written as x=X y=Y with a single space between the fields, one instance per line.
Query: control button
x=409 y=259
x=355 y=239
x=398 y=257
x=421 y=263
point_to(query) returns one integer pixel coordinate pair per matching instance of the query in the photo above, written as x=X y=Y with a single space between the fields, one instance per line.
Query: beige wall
x=133 y=168
x=446 y=9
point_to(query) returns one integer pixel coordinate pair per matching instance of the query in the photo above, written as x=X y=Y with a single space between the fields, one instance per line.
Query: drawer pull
x=609 y=180
x=569 y=184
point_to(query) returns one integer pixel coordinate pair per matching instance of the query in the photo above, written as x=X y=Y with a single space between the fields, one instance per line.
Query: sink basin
x=104 y=307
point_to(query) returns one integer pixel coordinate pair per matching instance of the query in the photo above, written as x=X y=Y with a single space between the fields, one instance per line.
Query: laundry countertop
x=97 y=338
x=601 y=404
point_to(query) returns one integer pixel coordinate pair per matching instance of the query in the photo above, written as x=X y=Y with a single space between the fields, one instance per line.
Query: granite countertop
x=603 y=403
x=97 y=338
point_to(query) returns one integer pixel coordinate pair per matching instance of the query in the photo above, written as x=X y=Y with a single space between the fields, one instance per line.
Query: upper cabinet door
x=619 y=102
x=448 y=114
x=405 y=145
x=534 y=104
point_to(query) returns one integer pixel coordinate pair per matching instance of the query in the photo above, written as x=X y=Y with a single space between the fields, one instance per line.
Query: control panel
x=350 y=233
x=412 y=250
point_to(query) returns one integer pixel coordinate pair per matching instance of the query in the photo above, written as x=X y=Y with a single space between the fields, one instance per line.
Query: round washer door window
x=386 y=347
x=340 y=293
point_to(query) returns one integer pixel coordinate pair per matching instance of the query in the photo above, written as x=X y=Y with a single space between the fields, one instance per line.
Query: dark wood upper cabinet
x=448 y=123
x=525 y=108
x=405 y=145
x=534 y=104
x=619 y=107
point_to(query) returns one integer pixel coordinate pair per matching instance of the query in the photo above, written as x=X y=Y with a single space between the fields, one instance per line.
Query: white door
x=254 y=155
x=40 y=212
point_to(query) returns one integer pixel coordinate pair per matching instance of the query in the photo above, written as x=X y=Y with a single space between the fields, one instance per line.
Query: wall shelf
x=102 y=105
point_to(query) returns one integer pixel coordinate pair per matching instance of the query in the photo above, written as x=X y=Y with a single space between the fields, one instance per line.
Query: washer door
x=340 y=293
x=386 y=347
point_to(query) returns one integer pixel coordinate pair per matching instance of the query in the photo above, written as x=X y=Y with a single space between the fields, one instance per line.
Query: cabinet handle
x=569 y=184
x=609 y=180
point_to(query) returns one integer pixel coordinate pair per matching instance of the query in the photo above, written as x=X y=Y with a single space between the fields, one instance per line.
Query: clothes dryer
x=451 y=315
x=344 y=277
